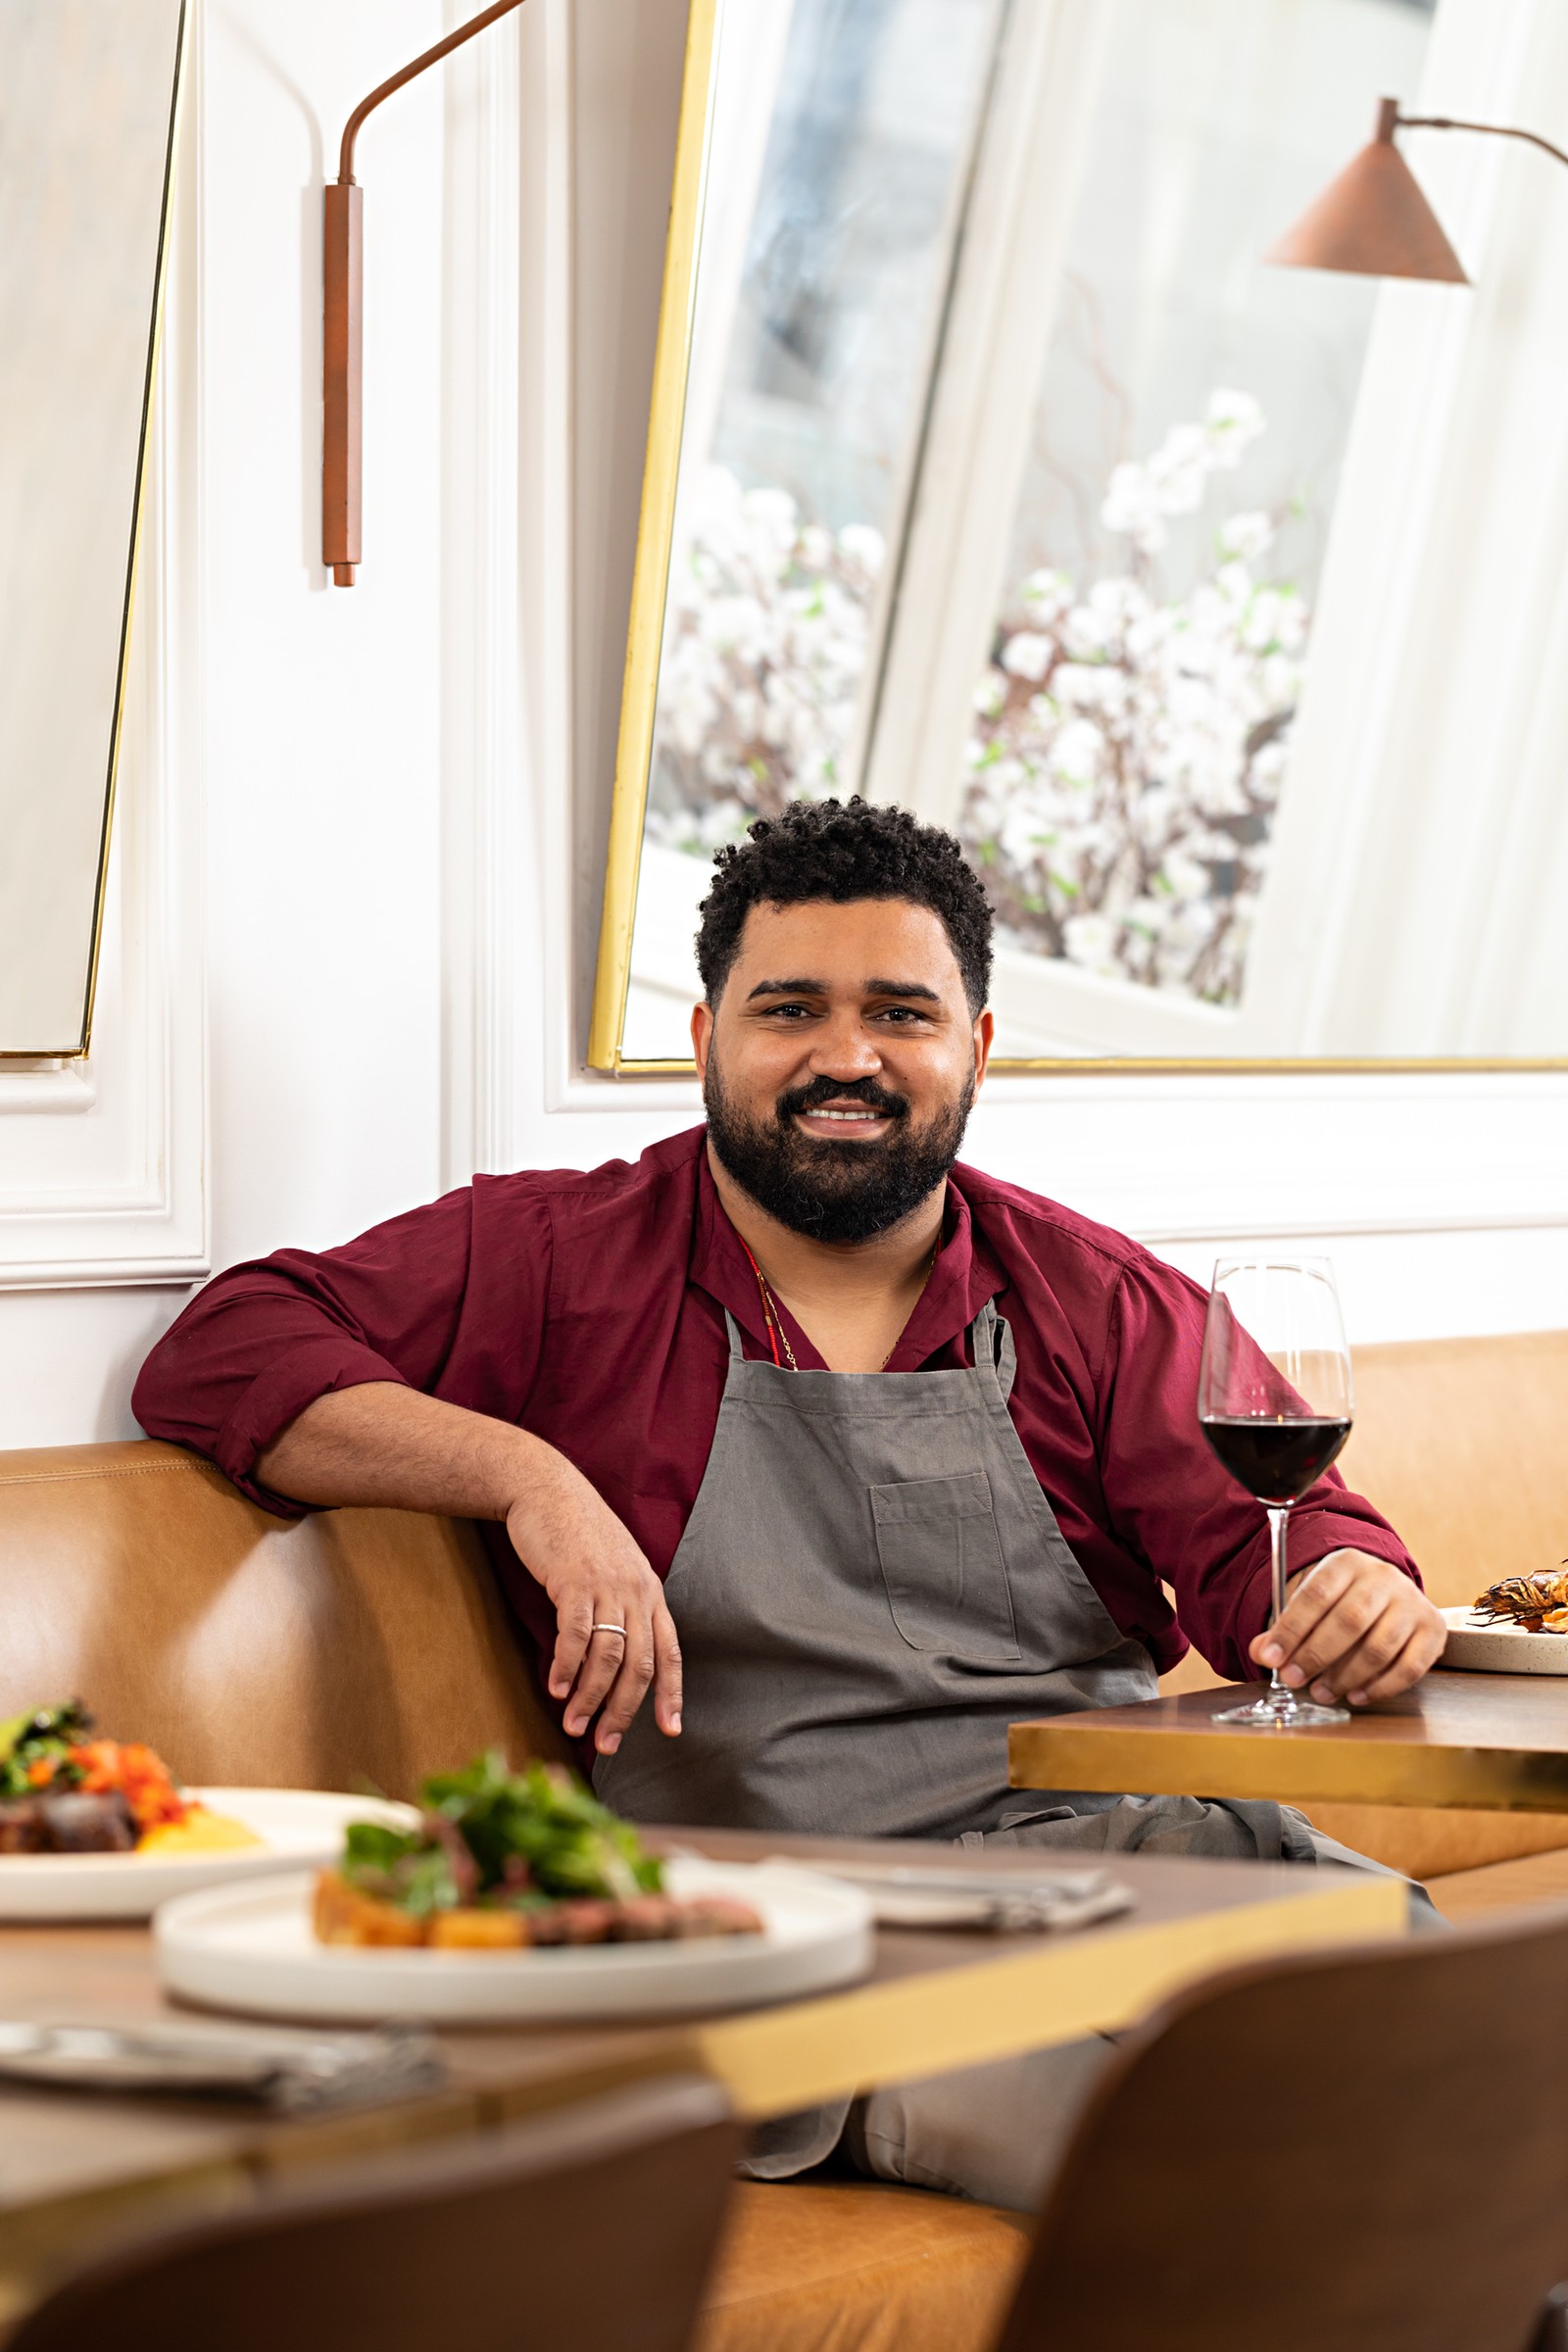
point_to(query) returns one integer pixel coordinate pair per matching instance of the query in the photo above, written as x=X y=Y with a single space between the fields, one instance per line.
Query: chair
x=1367 y=2151
x=590 y=2229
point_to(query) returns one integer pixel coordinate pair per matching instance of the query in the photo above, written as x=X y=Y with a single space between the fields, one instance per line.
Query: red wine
x=1275 y=1460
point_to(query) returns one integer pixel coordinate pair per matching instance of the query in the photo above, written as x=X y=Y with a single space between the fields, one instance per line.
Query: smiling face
x=840 y=1062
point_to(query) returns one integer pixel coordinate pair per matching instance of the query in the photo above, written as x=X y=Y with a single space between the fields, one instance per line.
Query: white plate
x=298 y=1827
x=1477 y=1648
x=251 y=1948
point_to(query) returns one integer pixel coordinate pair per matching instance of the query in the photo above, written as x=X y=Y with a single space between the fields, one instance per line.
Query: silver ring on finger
x=611 y=1628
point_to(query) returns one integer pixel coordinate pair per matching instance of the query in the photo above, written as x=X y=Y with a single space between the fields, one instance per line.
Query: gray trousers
x=998 y=2133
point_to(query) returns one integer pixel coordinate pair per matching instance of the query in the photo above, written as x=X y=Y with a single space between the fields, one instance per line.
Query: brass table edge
x=772 y=2063
x=1287 y=1767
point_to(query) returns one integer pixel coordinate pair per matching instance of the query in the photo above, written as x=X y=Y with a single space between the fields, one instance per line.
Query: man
x=875 y=1452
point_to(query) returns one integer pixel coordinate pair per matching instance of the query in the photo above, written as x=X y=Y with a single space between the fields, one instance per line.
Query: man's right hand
x=572 y=1542
x=380 y=1443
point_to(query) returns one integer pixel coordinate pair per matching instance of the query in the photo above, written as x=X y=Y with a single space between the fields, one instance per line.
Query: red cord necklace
x=771 y=1314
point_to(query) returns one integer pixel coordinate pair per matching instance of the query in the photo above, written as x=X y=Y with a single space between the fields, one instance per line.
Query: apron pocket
x=941 y=1564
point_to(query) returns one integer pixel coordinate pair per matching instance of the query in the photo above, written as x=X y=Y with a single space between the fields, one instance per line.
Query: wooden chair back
x=590 y=2230
x=1363 y=2150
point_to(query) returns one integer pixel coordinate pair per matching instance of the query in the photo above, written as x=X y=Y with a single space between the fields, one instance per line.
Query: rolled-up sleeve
x=264 y=1340
x=1170 y=1502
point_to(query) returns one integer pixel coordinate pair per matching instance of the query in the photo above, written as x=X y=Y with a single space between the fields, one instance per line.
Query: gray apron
x=870 y=1588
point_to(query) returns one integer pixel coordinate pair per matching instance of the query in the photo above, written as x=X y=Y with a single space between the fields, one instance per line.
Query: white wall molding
x=114 y=1194
x=568 y=917
x=1184 y=1159
x=484 y=831
x=50 y=1084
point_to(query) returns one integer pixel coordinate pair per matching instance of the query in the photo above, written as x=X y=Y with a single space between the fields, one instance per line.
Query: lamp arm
x=342 y=260
x=1497 y=131
x=395 y=82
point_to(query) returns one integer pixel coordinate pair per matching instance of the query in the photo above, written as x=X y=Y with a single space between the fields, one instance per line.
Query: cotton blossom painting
x=1128 y=747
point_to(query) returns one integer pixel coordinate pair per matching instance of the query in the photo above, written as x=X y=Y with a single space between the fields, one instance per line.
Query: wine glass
x=1275 y=1402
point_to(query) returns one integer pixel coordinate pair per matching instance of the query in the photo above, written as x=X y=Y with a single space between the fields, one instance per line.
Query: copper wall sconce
x=1373 y=220
x=342 y=354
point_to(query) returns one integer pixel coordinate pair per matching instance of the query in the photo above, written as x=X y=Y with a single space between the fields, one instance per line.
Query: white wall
x=381 y=813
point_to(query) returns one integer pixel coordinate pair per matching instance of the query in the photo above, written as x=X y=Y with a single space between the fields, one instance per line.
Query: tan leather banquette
x=368 y=1645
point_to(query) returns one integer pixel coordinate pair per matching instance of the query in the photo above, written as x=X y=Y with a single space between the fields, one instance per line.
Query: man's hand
x=596 y=1576
x=380 y=1443
x=1353 y=1628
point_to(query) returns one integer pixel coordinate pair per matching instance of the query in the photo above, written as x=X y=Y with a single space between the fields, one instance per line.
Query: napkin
x=911 y=1894
x=268 y=2066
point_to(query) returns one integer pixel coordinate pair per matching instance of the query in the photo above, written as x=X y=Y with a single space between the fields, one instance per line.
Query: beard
x=825 y=1190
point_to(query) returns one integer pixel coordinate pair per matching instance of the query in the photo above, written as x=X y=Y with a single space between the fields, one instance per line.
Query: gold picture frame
x=654 y=535
x=640 y=682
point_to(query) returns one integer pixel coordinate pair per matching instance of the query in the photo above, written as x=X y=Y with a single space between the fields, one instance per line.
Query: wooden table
x=1488 y=1741
x=73 y=2165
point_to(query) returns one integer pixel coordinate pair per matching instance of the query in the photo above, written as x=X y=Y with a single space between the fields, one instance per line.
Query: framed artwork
x=990 y=472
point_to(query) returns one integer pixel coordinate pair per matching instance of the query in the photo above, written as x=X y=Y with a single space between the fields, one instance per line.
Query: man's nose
x=844 y=1047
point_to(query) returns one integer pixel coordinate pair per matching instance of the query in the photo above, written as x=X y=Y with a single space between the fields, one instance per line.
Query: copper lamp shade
x=1373 y=220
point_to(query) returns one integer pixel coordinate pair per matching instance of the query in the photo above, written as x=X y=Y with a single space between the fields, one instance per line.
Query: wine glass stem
x=1279 y=1520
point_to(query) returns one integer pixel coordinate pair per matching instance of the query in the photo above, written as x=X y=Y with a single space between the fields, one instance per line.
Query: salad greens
x=44 y=1735
x=523 y=1839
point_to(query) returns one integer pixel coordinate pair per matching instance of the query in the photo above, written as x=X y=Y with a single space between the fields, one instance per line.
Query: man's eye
x=779 y=1012
x=900 y=1012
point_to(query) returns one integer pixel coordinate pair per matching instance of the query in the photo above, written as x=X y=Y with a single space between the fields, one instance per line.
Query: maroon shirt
x=589 y=1309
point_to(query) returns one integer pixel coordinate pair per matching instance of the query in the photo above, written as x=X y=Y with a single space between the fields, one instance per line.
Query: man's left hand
x=1353 y=1628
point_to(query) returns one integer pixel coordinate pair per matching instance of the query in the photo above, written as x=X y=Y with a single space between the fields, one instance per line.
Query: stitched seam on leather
x=77 y=1478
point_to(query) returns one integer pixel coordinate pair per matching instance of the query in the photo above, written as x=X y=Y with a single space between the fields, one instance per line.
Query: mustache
x=821 y=1092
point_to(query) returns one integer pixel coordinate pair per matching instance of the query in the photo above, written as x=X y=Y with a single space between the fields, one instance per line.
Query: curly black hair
x=841 y=851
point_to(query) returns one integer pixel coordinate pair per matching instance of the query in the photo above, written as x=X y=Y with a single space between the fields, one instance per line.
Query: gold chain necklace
x=773 y=1316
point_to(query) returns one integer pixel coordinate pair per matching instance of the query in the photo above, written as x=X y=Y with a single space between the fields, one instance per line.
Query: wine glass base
x=1283 y=1711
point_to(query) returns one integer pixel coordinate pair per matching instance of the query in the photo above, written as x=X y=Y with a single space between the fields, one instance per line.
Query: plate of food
x=513 y=1897
x=100 y=1829
x=1519 y=1626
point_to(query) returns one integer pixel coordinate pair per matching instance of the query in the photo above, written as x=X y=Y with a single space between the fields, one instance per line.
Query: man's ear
x=985 y=1030
x=703 y=1035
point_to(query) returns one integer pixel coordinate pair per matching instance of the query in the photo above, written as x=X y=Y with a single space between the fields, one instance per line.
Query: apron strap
x=990 y=1344
x=737 y=1353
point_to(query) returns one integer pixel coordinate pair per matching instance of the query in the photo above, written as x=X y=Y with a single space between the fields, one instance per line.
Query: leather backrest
x=346 y=1649
x=359 y=1646
x=1460 y=1444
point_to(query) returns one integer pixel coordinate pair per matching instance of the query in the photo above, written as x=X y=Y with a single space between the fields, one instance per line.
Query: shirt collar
x=965 y=1274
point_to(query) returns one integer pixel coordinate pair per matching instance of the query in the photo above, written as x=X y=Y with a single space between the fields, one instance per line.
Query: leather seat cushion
x=817 y=2267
